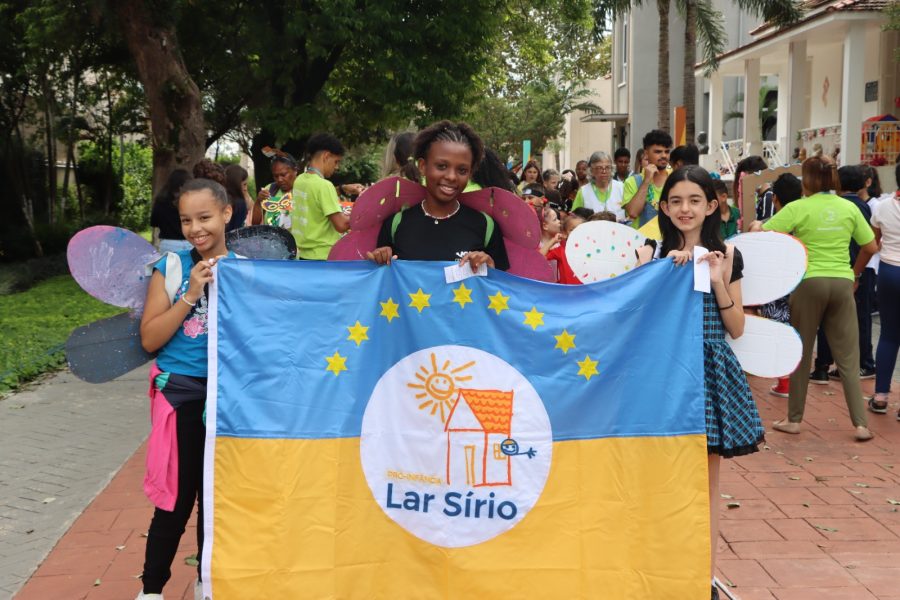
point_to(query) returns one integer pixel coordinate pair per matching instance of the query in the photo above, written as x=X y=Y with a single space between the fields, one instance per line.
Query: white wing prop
x=600 y=250
x=774 y=263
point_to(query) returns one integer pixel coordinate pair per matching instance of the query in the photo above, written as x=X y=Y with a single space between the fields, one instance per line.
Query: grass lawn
x=35 y=324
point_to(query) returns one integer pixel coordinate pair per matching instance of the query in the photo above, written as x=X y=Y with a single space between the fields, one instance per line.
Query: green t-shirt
x=653 y=194
x=601 y=196
x=824 y=223
x=730 y=227
x=314 y=200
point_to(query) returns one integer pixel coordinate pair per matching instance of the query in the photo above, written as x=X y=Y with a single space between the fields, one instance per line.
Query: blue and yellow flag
x=377 y=432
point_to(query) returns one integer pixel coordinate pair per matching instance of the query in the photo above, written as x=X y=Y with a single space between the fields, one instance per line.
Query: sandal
x=877 y=405
x=863 y=434
x=786 y=426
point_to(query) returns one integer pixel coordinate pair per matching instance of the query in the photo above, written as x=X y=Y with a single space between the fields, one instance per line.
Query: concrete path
x=61 y=441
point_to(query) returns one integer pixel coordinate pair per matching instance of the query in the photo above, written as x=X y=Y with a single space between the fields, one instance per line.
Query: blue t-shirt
x=186 y=353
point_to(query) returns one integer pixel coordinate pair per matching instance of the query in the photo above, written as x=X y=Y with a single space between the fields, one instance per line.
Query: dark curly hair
x=207 y=169
x=448 y=131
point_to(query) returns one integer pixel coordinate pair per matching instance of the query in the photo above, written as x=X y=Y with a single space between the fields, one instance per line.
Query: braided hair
x=447 y=131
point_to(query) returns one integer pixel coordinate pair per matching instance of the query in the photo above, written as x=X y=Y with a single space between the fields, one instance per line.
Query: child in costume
x=440 y=227
x=175 y=323
x=689 y=216
x=565 y=274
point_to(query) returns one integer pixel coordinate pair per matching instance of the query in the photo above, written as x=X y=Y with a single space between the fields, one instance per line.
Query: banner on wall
x=377 y=432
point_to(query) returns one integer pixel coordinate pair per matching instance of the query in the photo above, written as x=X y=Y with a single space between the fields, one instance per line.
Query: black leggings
x=167 y=527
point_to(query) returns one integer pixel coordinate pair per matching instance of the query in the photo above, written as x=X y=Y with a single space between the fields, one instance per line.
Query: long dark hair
x=170 y=189
x=493 y=173
x=403 y=156
x=235 y=175
x=710 y=235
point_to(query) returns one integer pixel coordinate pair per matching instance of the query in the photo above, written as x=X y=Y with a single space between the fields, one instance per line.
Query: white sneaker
x=143 y=596
x=198 y=590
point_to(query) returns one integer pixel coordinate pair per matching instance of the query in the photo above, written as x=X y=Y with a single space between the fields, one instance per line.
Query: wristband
x=720 y=307
x=191 y=304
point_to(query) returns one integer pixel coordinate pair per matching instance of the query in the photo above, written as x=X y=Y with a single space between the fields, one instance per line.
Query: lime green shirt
x=631 y=188
x=824 y=223
x=314 y=200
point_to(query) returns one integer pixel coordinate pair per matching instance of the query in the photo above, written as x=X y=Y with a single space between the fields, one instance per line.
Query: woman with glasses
x=274 y=202
x=602 y=192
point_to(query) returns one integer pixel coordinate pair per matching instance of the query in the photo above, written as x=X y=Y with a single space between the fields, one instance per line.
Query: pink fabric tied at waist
x=161 y=478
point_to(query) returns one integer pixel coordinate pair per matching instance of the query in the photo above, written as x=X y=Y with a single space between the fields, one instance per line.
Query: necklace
x=439 y=219
x=316 y=171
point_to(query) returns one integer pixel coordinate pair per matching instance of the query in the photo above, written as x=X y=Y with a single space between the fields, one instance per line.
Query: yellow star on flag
x=358 y=333
x=499 y=302
x=419 y=300
x=336 y=363
x=389 y=310
x=462 y=295
x=534 y=318
x=565 y=341
x=588 y=367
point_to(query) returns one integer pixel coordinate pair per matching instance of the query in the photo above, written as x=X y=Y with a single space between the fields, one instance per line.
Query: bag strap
x=395 y=222
x=489 y=230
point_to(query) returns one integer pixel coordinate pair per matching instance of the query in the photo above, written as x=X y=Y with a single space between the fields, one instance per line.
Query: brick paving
x=61 y=441
x=815 y=519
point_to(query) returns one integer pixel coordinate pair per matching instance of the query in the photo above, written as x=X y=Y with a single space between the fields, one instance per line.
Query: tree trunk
x=662 y=74
x=176 y=115
x=50 y=141
x=690 y=82
x=110 y=176
x=18 y=177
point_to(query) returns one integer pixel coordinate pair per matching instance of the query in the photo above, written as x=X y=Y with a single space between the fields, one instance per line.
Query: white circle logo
x=456 y=445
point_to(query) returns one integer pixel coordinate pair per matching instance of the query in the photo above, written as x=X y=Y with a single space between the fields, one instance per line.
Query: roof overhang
x=604 y=118
x=828 y=26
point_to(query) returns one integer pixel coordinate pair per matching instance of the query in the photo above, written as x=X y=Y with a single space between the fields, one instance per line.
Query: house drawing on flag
x=478 y=423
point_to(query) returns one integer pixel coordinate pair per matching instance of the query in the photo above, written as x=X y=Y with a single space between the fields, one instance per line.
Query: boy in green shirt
x=317 y=221
x=642 y=190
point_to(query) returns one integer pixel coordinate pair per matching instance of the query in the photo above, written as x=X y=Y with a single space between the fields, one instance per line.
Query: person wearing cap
x=533 y=194
x=602 y=192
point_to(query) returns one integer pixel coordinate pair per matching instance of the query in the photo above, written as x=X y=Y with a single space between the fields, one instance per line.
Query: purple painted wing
x=109 y=264
x=355 y=244
x=513 y=216
x=382 y=200
x=528 y=263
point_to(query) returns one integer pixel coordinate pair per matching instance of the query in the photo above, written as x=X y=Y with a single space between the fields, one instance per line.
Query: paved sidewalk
x=814 y=519
x=61 y=441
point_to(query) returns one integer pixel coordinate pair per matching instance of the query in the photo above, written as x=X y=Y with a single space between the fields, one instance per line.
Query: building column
x=716 y=115
x=797 y=78
x=752 y=133
x=852 y=93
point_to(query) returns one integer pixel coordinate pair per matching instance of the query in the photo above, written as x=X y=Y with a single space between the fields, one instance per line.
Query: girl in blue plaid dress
x=689 y=216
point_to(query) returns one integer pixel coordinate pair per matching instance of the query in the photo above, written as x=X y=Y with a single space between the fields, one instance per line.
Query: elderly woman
x=275 y=202
x=602 y=192
x=825 y=223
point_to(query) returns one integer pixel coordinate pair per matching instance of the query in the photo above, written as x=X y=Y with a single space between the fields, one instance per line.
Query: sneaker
x=867 y=373
x=715 y=593
x=782 y=391
x=819 y=376
x=143 y=596
x=198 y=590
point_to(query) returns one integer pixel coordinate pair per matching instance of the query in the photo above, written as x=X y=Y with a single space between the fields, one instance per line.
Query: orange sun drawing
x=439 y=385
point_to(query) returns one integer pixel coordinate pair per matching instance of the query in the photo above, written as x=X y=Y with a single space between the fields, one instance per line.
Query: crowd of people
x=836 y=213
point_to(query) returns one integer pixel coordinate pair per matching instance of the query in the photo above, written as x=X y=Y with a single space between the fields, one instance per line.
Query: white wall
x=872 y=72
x=827 y=62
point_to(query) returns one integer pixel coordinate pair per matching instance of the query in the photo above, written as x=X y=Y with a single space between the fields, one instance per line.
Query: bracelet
x=720 y=307
x=191 y=304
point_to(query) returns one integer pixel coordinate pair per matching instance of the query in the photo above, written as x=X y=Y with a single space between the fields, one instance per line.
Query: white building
x=635 y=60
x=833 y=70
x=583 y=135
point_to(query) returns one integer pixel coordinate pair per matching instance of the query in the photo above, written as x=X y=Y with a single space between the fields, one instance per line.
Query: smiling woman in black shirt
x=440 y=227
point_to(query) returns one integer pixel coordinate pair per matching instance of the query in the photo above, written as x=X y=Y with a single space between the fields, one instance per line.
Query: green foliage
x=35 y=324
x=360 y=165
x=136 y=177
x=893 y=23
